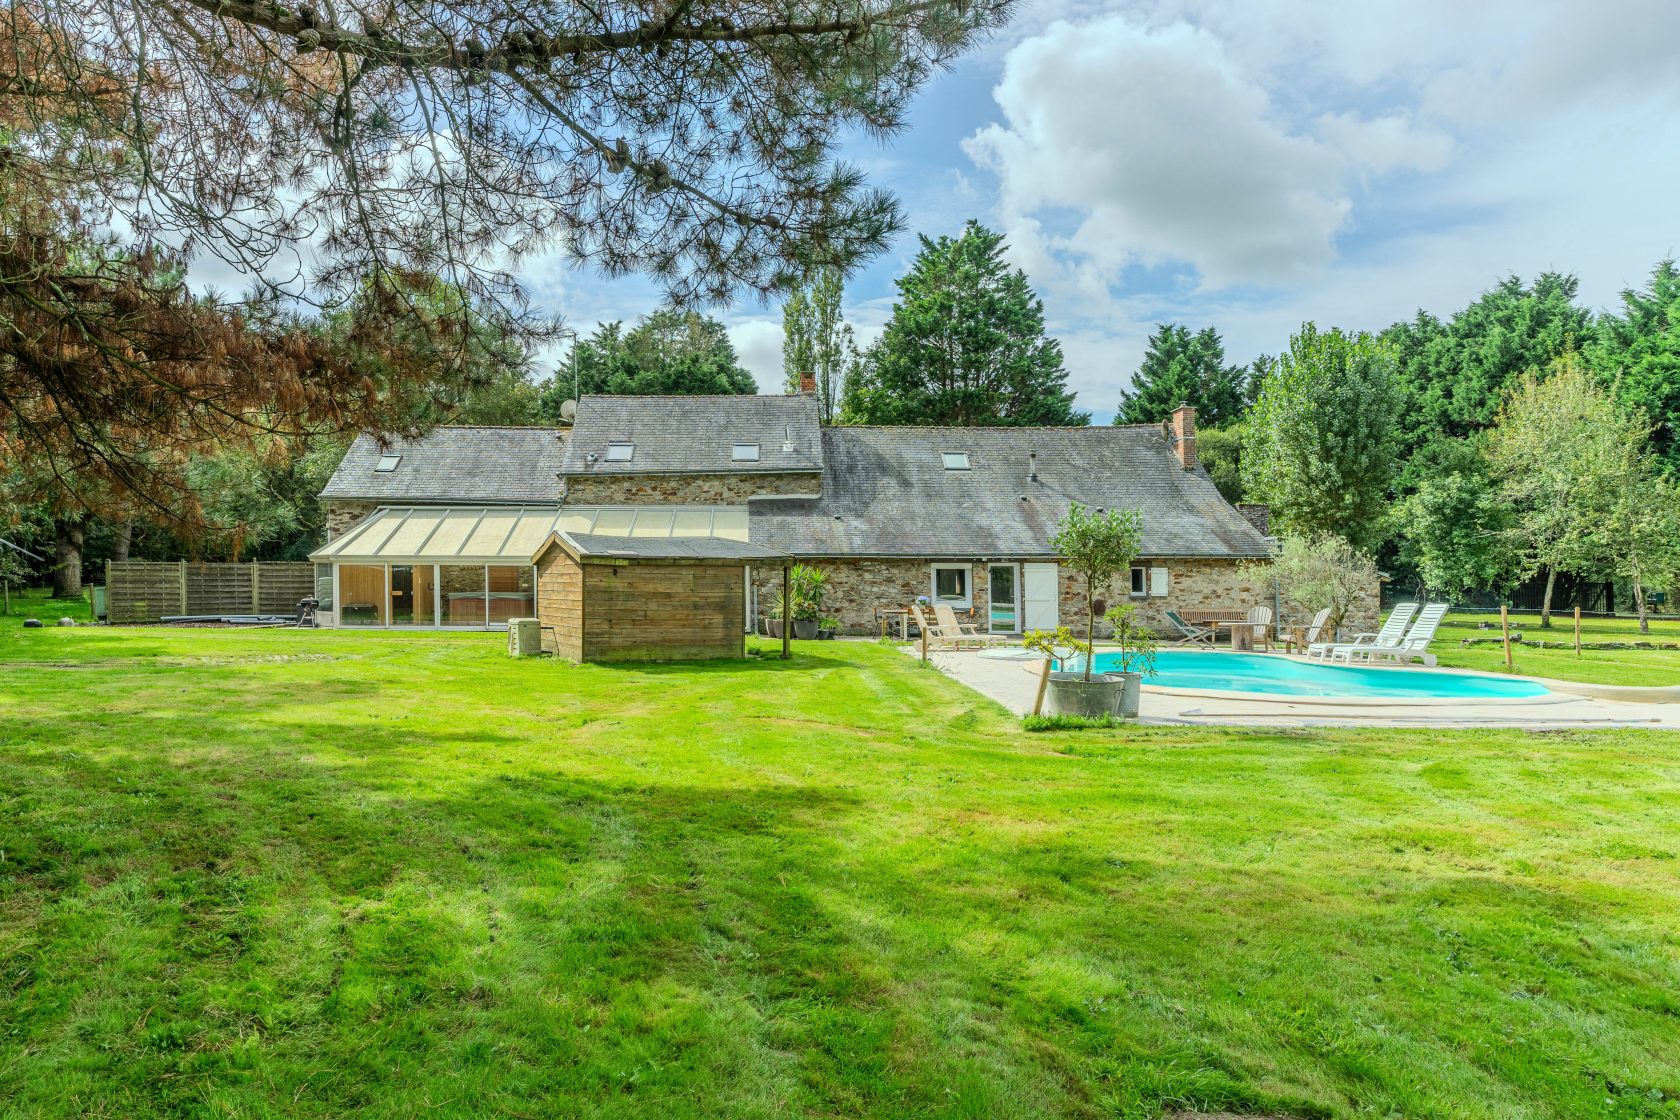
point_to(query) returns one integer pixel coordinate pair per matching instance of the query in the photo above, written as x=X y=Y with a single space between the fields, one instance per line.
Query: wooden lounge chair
x=949 y=624
x=1393 y=629
x=1413 y=647
x=1260 y=618
x=937 y=635
x=1309 y=636
x=1189 y=633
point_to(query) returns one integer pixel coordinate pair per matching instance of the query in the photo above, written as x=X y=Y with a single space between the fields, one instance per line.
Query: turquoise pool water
x=1288 y=676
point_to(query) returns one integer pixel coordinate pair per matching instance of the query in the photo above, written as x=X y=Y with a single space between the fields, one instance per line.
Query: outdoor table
x=1242 y=632
x=1297 y=640
x=899 y=616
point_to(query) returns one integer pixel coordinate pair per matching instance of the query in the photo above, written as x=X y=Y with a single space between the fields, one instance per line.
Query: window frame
x=1140 y=583
x=388 y=462
x=945 y=458
x=629 y=447
x=735 y=455
x=966 y=602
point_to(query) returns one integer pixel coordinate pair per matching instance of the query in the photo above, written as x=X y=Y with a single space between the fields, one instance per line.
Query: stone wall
x=342 y=515
x=856 y=588
x=690 y=489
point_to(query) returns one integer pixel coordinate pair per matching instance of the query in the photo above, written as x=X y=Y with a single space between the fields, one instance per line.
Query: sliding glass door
x=1004 y=599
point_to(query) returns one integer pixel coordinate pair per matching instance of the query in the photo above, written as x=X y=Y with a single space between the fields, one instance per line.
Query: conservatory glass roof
x=498 y=534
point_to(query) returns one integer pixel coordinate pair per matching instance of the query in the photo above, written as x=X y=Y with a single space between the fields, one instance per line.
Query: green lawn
x=276 y=874
x=1626 y=667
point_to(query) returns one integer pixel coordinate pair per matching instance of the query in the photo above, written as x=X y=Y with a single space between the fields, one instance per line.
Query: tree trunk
x=1639 y=602
x=1090 y=625
x=1546 y=601
x=68 y=536
x=121 y=540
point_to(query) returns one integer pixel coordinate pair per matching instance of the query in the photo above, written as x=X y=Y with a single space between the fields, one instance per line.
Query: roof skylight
x=954 y=460
x=388 y=462
x=744 y=453
x=620 y=451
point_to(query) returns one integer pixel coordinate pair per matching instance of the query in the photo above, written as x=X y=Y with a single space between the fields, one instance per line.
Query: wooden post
x=921 y=633
x=256 y=607
x=183 y=587
x=787 y=612
x=1577 y=629
x=1505 y=628
x=1043 y=683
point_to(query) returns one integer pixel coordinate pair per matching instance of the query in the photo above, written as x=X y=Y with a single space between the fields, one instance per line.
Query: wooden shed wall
x=560 y=604
x=663 y=612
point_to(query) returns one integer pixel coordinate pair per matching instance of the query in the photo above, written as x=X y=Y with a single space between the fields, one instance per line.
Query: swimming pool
x=1288 y=676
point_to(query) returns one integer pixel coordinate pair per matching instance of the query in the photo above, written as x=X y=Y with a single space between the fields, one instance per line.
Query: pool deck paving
x=1014 y=684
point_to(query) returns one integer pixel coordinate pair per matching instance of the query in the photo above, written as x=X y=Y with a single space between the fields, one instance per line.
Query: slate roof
x=886 y=493
x=455 y=464
x=695 y=434
x=662 y=548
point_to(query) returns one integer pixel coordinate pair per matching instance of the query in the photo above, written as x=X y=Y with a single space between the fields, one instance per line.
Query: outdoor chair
x=1306 y=637
x=1414 y=646
x=1388 y=637
x=935 y=633
x=1189 y=633
x=1260 y=619
x=946 y=619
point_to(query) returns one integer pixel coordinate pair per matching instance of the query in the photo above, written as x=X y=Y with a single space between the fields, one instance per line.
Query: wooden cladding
x=641 y=610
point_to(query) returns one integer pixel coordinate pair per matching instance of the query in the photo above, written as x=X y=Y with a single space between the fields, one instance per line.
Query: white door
x=1039 y=597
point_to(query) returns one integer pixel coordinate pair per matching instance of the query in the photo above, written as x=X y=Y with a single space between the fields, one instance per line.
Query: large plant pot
x=773 y=627
x=805 y=628
x=1070 y=694
x=1131 y=693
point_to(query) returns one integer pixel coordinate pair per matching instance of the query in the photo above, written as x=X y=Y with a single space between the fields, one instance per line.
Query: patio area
x=1014 y=684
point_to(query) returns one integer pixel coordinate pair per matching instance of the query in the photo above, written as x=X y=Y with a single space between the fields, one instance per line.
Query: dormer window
x=744 y=453
x=388 y=462
x=954 y=460
x=620 y=451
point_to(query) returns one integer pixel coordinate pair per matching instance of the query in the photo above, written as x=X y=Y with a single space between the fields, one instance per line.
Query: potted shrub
x=827 y=628
x=806 y=585
x=1098 y=546
x=1134 y=656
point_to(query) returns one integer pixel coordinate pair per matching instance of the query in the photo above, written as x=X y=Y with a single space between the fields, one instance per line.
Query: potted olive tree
x=1098 y=546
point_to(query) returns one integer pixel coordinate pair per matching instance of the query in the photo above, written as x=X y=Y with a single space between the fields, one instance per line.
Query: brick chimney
x=808 y=384
x=1181 y=430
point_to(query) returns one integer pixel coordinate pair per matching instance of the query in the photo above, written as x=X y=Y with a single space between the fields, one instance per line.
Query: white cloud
x=758 y=345
x=1155 y=146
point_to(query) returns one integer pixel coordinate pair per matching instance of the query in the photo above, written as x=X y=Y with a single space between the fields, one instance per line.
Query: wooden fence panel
x=140 y=591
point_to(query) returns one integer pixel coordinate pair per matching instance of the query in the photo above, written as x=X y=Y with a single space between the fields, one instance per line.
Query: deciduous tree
x=1559 y=450
x=816 y=340
x=1319 y=443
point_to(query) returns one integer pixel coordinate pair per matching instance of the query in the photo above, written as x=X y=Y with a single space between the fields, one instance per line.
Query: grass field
x=1625 y=667
x=284 y=874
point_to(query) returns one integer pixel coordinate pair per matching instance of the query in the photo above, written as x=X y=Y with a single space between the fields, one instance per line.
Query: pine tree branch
x=528 y=50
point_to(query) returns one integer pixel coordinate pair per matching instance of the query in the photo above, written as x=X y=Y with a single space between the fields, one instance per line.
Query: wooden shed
x=607 y=598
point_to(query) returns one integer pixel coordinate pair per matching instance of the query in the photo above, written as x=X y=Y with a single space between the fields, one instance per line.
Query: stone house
x=442 y=531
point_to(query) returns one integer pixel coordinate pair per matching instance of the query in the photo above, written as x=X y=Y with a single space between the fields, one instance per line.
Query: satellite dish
x=568 y=411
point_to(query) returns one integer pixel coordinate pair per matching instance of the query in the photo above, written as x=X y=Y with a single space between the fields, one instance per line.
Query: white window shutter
x=1157 y=583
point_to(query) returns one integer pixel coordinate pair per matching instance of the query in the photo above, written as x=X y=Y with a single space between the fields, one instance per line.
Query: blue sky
x=1250 y=165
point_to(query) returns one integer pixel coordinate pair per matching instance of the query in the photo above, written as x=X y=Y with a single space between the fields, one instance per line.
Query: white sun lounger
x=1414 y=646
x=1388 y=637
